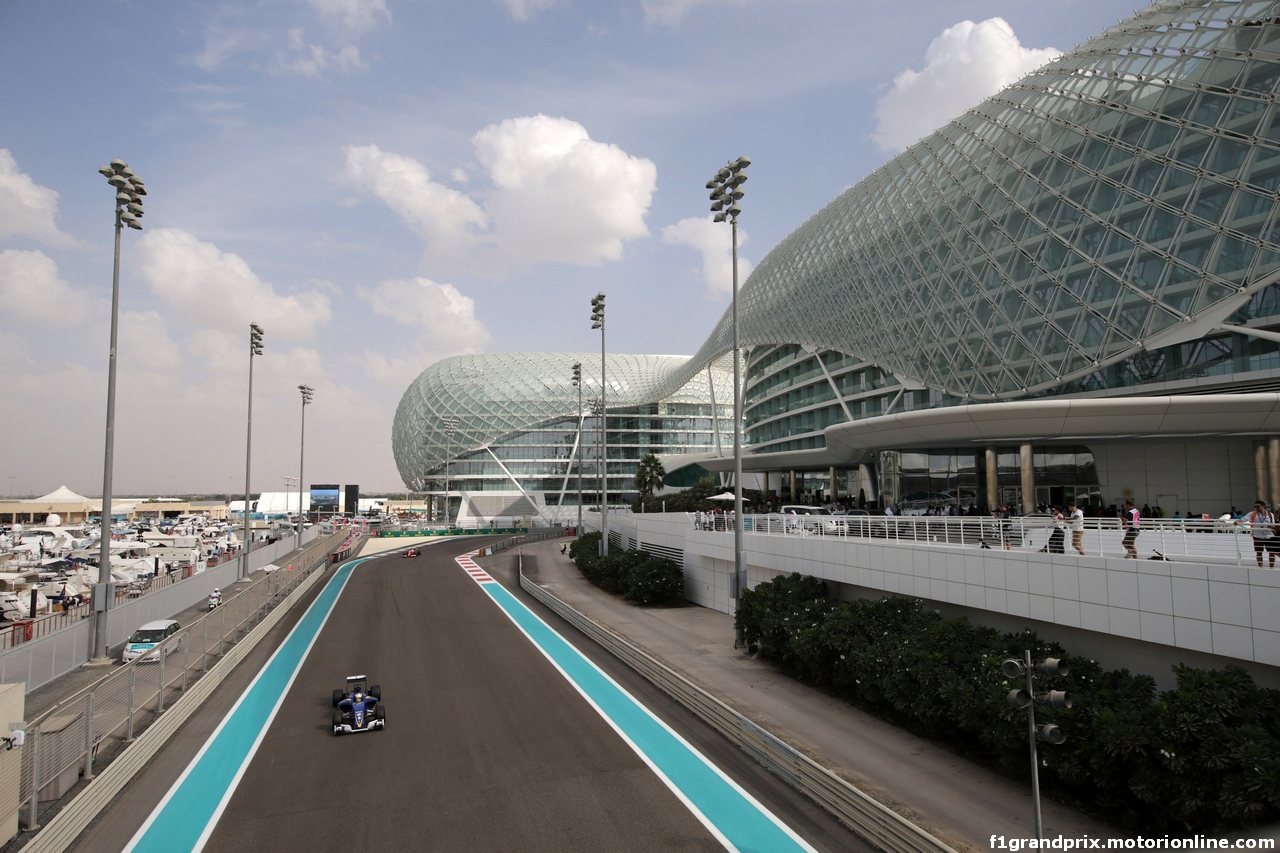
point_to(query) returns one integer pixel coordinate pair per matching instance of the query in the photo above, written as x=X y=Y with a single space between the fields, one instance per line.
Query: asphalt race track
x=487 y=745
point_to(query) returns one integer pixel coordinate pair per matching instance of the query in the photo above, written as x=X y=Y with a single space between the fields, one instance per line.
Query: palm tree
x=649 y=475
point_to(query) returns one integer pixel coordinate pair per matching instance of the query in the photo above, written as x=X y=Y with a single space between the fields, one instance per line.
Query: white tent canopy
x=60 y=495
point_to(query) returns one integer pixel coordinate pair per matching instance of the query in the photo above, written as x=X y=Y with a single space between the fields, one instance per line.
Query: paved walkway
x=957 y=801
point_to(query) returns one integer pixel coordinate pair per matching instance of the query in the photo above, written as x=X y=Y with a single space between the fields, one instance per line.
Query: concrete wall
x=1135 y=611
x=1200 y=476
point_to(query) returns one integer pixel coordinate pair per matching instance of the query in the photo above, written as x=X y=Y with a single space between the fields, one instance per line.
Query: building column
x=1261 y=470
x=1027 y=463
x=867 y=484
x=792 y=493
x=831 y=473
x=993 y=479
x=1273 y=454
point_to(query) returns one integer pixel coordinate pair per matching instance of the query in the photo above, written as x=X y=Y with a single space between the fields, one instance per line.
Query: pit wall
x=1141 y=614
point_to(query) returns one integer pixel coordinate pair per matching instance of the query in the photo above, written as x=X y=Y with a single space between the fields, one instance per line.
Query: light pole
x=726 y=192
x=450 y=426
x=307 y=391
x=577 y=456
x=1024 y=700
x=597 y=322
x=597 y=409
x=129 y=192
x=255 y=348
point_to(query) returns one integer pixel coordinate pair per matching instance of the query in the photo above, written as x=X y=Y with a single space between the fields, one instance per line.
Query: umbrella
x=726 y=496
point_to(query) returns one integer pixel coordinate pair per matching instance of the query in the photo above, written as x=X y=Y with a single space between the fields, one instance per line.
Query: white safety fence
x=67 y=642
x=1183 y=540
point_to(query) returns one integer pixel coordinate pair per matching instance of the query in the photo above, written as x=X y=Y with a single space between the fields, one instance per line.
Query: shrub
x=1203 y=757
x=636 y=575
x=656 y=580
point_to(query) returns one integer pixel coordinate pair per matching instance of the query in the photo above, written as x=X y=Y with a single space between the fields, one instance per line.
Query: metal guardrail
x=875 y=822
x=63 y=742
x=554 y=533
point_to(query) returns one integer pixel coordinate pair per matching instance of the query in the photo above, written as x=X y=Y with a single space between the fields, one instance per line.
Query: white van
x=147 y=638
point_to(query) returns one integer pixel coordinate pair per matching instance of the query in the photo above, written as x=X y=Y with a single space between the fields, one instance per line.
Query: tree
x=649 y=475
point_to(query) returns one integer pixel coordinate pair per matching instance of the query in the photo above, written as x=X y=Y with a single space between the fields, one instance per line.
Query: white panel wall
x=1227 y=611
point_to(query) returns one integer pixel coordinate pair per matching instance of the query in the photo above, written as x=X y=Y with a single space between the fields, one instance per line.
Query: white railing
x=1182 y=540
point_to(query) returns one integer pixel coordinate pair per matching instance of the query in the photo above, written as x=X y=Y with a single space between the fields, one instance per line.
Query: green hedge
x=1203 y=757
x=635 y=575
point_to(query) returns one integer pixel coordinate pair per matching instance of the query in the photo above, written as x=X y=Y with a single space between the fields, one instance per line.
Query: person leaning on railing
x=1262 y=525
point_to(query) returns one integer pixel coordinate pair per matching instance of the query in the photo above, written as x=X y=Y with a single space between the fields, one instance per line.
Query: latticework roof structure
x=496 y=395
x=1120 y=198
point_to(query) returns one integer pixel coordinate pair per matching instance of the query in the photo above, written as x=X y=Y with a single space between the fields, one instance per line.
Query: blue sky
x=381 y=184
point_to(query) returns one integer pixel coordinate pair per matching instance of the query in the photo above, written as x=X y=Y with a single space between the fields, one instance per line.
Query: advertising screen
x=324 y=499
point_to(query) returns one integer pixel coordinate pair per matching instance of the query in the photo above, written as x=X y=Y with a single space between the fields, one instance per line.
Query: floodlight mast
x=726 y=192
x=129 y=192
x=450 y=425
x=577 y=382
x=255 y=348
x=597 y=322
x=307 y=391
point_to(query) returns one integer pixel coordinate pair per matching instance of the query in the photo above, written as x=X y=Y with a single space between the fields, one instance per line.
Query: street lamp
x=577 y=382
x=1025 y=700
x=129 y=192
x=307 y=391
x=255 y=348
x=597 y=322
x=450 y=426
x=726 y=192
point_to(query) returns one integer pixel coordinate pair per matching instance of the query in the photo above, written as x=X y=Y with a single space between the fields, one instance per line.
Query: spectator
x=1075 y=523
x=1131 y=519
x=1262 y=524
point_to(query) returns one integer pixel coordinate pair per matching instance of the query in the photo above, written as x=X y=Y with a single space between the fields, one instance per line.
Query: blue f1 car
x=356 y=709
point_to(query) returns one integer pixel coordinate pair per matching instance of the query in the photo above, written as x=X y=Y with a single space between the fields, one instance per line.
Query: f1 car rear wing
x=354 y=678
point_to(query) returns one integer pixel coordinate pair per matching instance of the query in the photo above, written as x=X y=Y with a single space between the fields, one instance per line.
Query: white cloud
x=34 y=295
x=353 y=17
x=555 y=195
x=212 y=289
x=966 y=64
x=444 y=218
x=523 y=10
x=714 y=241
x=311 y=60
x=444 y=317
x=26 y=208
